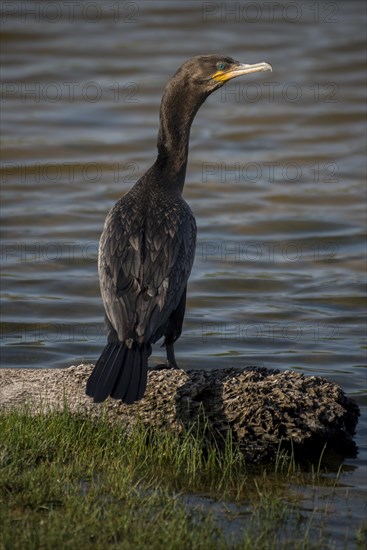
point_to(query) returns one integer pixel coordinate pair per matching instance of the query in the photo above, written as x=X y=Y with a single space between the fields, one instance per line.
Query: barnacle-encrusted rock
x=260 y=409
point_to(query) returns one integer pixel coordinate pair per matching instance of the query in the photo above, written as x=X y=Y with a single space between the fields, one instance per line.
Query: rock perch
x=261 y=408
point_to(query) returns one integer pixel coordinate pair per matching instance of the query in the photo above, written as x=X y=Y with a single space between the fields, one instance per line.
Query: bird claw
x=163 y=366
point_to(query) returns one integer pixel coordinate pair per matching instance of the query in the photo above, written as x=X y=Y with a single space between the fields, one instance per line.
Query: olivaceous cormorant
x=147 y=246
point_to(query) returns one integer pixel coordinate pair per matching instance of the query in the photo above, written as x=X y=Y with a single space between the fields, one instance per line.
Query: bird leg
x=171 y=360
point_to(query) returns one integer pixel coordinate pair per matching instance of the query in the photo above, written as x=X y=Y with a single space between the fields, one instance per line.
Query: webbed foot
x=163 y=366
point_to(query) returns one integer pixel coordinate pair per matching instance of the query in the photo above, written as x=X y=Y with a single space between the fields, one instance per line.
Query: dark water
x=276 y=180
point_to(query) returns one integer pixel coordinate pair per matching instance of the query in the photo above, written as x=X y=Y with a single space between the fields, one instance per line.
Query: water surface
x=276 y=180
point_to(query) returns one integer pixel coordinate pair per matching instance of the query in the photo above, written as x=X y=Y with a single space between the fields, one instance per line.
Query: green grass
x=68 y=483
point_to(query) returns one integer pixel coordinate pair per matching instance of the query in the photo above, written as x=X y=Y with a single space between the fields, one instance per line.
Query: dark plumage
x=147 y=246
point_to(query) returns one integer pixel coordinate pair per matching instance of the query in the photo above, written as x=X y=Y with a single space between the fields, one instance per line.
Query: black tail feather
x=109 y=372
x=101 y=371
x=120 y=372
x=144 y=372
x=132 y=389
x=122 y=382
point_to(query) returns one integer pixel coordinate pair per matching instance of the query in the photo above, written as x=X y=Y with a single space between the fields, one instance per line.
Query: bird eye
x=221 y=66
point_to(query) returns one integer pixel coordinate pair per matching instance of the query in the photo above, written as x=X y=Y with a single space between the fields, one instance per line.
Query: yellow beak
x=241 y=69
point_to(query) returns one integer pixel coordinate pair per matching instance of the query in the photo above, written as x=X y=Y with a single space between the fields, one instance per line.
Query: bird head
x=210 y=72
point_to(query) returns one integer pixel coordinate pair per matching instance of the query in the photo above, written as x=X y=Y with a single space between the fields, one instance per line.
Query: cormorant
x=147 y=246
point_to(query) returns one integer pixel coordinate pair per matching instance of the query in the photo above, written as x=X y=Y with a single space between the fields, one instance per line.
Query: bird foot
x=163 y=366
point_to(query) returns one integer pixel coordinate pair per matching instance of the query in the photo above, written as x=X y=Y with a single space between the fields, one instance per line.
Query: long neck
x=178 y=109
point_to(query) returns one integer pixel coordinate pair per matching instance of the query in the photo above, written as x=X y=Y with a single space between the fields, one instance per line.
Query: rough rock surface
x=260 y=408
